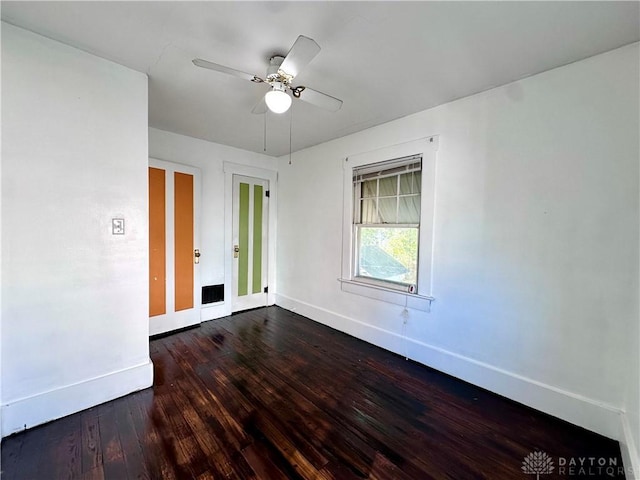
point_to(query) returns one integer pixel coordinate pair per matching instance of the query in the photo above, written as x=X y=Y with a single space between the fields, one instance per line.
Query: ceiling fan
x=280 y=74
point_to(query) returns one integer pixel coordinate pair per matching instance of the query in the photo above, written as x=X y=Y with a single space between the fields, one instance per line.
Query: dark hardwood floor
x=269 y=394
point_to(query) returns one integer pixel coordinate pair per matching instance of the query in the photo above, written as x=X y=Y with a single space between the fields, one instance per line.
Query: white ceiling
x=385 y=60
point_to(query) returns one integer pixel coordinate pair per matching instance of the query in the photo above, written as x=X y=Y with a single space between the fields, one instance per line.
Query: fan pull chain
x=265 y=131
x=290 y=128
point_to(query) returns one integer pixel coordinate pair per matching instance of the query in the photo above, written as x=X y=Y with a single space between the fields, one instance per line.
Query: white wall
x=210 y=158
x=75 y=297
x=536 y=240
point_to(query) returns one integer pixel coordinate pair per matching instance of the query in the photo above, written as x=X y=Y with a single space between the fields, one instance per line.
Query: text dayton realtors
x=590 y=466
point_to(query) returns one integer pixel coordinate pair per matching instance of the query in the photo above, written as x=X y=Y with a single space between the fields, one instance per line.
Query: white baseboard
x=216 y=310
x=175 y=321
x=30 y=411
x=585 y=412
x=629 y=449
x=224 y=309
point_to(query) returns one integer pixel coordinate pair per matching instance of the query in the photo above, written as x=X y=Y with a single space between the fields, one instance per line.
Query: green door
x=250 y=207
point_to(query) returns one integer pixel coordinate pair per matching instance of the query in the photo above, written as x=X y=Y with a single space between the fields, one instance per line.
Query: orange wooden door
x=174 y=297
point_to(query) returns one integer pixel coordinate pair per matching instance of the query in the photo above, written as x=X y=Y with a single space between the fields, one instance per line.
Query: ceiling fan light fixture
x=277 y=99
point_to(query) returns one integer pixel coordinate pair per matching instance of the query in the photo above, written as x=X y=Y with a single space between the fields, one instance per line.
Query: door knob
x=196 y=255
x=236 y=251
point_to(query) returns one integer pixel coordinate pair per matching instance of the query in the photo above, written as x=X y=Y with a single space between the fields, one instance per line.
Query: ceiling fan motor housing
x=274 y=66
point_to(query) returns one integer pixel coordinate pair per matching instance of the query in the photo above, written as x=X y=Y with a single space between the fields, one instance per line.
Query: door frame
x=184 y=318
x=231 y=169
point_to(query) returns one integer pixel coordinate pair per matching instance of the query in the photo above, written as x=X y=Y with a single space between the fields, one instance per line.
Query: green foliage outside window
x=400 y=245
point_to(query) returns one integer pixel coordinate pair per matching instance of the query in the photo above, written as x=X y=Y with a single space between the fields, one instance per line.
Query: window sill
x=389 y=295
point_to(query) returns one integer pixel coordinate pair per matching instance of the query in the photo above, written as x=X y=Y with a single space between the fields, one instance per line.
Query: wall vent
x=212 y=294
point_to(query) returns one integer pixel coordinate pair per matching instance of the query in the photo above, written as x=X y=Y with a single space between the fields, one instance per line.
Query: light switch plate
x=117 y=226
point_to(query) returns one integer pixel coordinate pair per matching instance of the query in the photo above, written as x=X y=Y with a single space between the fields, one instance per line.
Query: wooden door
x=250 y=240
x=174 y=286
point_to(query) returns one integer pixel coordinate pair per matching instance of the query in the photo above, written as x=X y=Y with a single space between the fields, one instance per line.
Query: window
x=387 y=235
x=386 y=221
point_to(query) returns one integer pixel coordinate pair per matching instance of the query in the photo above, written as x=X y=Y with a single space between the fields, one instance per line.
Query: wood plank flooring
x=268 y=394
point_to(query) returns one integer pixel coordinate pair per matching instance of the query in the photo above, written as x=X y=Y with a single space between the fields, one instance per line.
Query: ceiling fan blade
x=302 y=52
x=260 y=107
x=318 y=99
x=229 y=71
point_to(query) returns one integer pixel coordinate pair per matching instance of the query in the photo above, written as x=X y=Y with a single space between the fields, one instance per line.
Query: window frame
x=381 y=289
x=399 y=166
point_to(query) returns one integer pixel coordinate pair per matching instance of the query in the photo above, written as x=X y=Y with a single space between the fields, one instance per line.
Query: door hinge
x=267 y=193
x=266 y=289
